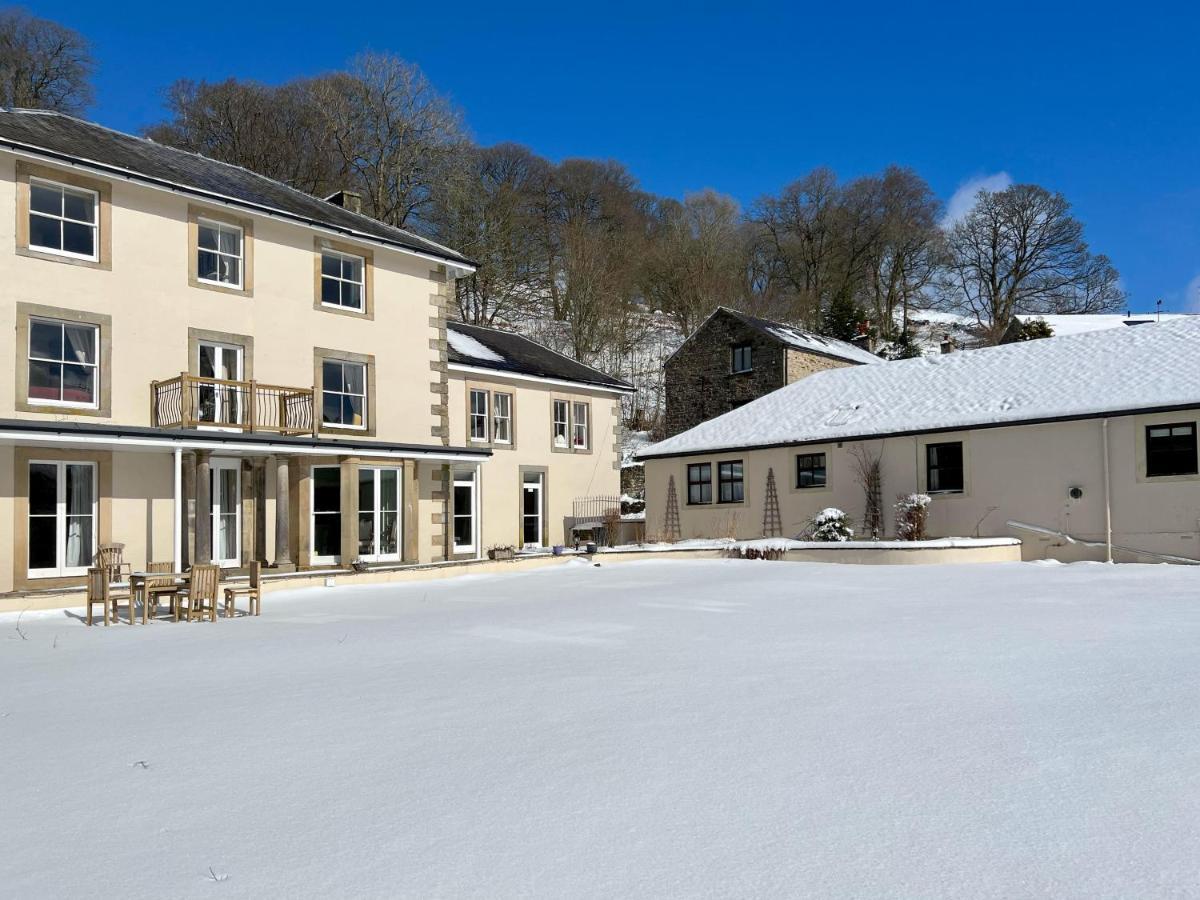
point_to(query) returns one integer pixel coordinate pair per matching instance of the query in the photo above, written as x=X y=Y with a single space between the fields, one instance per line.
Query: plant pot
x=591 y=547
x=558 y=549
x=498 y=553
x=359 y=566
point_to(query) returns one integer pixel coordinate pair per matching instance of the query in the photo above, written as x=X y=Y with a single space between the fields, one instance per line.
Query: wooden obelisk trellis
x=671 y=518
x=772 y=523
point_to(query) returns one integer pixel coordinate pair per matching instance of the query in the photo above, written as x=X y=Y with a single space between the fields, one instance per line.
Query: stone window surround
x=320 y=355
x=368 y=311
x=491 y=390
x=194 y=215
x=245 y=341
x=22 y=456
x=544 y=471
x=571 y=400
x=24 y=171
x=26 y=311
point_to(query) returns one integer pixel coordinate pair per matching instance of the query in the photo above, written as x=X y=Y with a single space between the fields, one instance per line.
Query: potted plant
x=359 y=565
x=502 y=551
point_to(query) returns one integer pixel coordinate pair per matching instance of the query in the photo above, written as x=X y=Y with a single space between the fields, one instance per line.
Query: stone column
x=203 y=508
x=283 y=512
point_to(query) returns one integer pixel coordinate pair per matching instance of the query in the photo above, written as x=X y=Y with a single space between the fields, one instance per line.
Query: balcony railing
x=189 y=401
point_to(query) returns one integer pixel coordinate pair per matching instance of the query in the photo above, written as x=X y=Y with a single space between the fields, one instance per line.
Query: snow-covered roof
x=504 y=351
x=1078 y=324
x=1098 y=372
x=796 y=338
x=465 y=345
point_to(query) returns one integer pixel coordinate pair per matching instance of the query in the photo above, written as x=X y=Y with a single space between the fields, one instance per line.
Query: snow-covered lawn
x=651 y=729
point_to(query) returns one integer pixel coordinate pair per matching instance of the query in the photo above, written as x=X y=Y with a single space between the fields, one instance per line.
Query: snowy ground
x=651 y=729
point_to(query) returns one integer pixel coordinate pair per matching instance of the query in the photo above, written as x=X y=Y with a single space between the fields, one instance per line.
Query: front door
x=218 y=403
x=531 y=510
x=226 y=493
x=378 y=514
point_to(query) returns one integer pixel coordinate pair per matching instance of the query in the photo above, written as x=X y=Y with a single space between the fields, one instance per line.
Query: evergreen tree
x=842 y=318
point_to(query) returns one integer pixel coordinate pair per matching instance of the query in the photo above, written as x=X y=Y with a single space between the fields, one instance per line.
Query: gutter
x=521 y=376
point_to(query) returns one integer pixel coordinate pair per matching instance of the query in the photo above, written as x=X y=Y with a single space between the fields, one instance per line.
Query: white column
x=178 y=512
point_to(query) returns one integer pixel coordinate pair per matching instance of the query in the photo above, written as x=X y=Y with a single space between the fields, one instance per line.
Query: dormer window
x=741 y=358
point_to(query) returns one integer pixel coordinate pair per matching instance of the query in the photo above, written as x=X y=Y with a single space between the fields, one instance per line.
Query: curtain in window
x=79 y=516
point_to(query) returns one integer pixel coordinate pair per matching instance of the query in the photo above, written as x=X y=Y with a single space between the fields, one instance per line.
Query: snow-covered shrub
x=912 y=511
x=829 y=524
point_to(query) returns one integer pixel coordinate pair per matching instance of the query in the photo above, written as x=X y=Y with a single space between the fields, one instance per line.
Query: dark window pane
x=45 y=199
x=389 y=490
x=352 y=410
x=353 y=373
x=207 y=265
x=81 y=207
x=366 y=489
x=366 y=534
x=43 y=489
x=330 y=265
x=331 y=376
x=42 y=547
x=330 y=292
x=207 y=236
x=79 y=553
x=331 y=408
x=79 y=384
x=45 y=380
x=327 y=534
x=351 y=296
x=230 y=241
x=45 y=232
x=462 y=531
x=45 y=340
x=80 y=490
x=231 y=270
x=78 y=239
x=327 y=489
x=389 y=532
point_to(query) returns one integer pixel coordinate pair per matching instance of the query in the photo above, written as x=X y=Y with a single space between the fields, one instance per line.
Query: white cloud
x=963 y=200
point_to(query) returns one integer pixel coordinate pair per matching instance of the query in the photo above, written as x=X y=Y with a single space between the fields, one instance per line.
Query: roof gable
x=790 y=336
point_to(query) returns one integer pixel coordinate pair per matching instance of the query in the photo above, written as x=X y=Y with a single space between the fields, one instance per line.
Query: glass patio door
x=531 y=510
x=219 y=404
x=226 y=512
x=378 y=514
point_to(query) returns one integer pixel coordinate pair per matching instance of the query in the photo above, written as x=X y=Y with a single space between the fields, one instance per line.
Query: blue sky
x=1101 y=102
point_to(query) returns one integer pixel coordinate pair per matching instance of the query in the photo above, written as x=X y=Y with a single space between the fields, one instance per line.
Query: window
x=342 y=280
x=326 y=514
x=464 y=512
x=581 y=439
x=810 y=470
x=729 y=482
x=479 y=415
x=62 y=518
x=63 y=363
x=62 y=219
x=343 y=393
x=944 y=468
x=562 y=426
x=378 y=514
x=699 y=477
x=219 y=253
x=1171 y=449
x=741 y=356
x=502 y=418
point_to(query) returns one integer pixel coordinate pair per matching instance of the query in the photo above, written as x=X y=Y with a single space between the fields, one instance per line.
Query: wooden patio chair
x=156 y=588
x=99 y=590
x=252 y=591
x=111 y=557
x=198 y=598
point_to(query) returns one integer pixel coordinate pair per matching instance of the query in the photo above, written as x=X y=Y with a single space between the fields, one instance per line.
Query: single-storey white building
x=1082 y=446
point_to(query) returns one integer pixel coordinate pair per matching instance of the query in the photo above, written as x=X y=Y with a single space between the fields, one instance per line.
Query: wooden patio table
x=137 y=588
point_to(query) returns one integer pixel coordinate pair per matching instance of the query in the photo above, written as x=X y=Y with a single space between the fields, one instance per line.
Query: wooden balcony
x=189 y=401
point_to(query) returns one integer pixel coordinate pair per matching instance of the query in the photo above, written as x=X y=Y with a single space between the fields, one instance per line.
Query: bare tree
x=909 y=252
x=397 y=138
x=1021 y=251
x=43 y=65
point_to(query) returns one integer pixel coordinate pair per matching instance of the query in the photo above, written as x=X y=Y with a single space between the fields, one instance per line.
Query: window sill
x=343 y=310
x=90 y=262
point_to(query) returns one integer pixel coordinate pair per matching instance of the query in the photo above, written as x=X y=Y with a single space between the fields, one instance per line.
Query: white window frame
x=61 y=570
x=366 y=390
x=94 y=224
x=362 y=282
x=202 y=222
x=475 y=417
x=506 y=419
x=29 y=358
x=377 y=513
x=217 y=465
x=466 y=478
x=312 y=525
x=576 y=406
x=565 y=421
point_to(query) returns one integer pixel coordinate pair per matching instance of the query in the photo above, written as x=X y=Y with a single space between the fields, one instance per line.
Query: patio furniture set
x=192 y=594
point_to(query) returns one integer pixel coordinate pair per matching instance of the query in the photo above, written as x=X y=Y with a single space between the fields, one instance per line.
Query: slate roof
x=58 y=135
x=521 y=356
x=800 y=339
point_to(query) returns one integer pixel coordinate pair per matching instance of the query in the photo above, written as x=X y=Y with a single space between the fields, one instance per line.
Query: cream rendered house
x=553 y=427
x=1091 y=436
x=204 y=364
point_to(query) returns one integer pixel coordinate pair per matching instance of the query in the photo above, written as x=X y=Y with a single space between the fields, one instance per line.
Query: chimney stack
x=947 y=345
x=351 y=200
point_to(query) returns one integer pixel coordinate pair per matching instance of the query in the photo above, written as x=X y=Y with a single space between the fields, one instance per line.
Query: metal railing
x=191 y=401
x=595 y=509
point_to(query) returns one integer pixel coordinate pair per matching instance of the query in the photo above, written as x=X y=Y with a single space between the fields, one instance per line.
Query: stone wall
x=699 y=385
x=801 y=364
